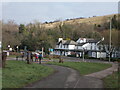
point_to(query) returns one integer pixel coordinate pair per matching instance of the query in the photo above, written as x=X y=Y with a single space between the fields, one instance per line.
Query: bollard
x=4 y=56
x=31 y=57
x=61 y=60
x=49 y=57
x=16 y=57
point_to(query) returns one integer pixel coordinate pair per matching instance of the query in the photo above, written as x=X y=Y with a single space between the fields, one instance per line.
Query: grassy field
x=111 y=81
x=18 y=73
x=84 y=67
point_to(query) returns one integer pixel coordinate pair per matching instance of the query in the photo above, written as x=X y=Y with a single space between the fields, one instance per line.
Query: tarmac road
x=67 y=78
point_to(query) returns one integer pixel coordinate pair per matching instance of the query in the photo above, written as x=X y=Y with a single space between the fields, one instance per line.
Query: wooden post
x=60 y=60
x=49 y=57
x=4 y=56
x=28 y=57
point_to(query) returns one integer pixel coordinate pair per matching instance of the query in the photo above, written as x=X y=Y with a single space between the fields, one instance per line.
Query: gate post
x=4 y=56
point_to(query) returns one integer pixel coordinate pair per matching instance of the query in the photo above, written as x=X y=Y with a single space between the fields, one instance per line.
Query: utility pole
x=110 y=38
x=17 y=48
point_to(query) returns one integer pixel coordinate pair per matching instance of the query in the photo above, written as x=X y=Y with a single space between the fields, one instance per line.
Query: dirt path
x=67 y=78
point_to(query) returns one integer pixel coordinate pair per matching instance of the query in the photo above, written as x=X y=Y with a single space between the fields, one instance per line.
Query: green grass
x=111 y=81
x=0 y=78
x=51 y=58
x=18 y=74
x=84 y=67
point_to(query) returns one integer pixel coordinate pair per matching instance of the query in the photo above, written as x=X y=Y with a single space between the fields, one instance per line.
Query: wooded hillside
x=37 y=35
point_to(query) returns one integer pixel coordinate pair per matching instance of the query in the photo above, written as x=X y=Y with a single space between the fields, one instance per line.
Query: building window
x=64 y=46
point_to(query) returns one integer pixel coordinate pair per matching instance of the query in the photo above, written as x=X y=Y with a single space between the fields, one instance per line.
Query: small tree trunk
x=4 y=56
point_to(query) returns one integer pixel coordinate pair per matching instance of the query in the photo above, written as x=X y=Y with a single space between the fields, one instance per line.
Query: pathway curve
x=67 y=78
x=104 y=73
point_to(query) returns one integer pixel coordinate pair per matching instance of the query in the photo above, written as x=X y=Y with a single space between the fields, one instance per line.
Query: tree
x=22 y=28
x=9 y=34
x=114 y=41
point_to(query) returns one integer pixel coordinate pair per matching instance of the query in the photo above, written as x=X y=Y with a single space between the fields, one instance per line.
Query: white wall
x=71 y=47
x=101 y=55
x=79 y=47
x=87 y=46
x=81 y=40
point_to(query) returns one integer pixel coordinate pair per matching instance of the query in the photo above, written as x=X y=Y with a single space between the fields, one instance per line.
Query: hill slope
x=93 y=20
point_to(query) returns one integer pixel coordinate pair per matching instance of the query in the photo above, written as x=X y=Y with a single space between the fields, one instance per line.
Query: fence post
x=4 y=56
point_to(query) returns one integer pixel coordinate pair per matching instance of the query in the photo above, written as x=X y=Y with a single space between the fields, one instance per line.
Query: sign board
x=51 y=49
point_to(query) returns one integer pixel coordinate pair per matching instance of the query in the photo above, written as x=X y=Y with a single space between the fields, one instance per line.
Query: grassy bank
x=84 y=67
x=111 y=81
x=18 y=73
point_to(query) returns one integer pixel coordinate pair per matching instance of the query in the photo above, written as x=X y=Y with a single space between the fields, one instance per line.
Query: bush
x=112 y=59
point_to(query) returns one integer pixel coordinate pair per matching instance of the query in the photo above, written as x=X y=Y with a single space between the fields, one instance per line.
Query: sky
x=26 y=12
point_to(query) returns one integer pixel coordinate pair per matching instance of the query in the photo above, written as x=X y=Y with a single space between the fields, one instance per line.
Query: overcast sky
x=26 y=12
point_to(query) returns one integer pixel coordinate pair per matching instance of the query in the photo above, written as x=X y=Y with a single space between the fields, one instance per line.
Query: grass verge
x=0 y=78
x=18 y=74
x=111 y=81
x=84 y=67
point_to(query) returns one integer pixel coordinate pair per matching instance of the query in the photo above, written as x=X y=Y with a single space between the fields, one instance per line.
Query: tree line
x=35 y=36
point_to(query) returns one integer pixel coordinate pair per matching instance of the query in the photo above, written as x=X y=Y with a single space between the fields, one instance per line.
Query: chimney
x=60 y=39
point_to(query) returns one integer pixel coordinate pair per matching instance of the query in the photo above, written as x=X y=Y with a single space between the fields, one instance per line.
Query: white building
x=64 y=47
x=87 y=45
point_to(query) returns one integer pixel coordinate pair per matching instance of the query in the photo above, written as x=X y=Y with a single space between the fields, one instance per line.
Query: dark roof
x=70 y=42
x=80 y=44
x=92 y=41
